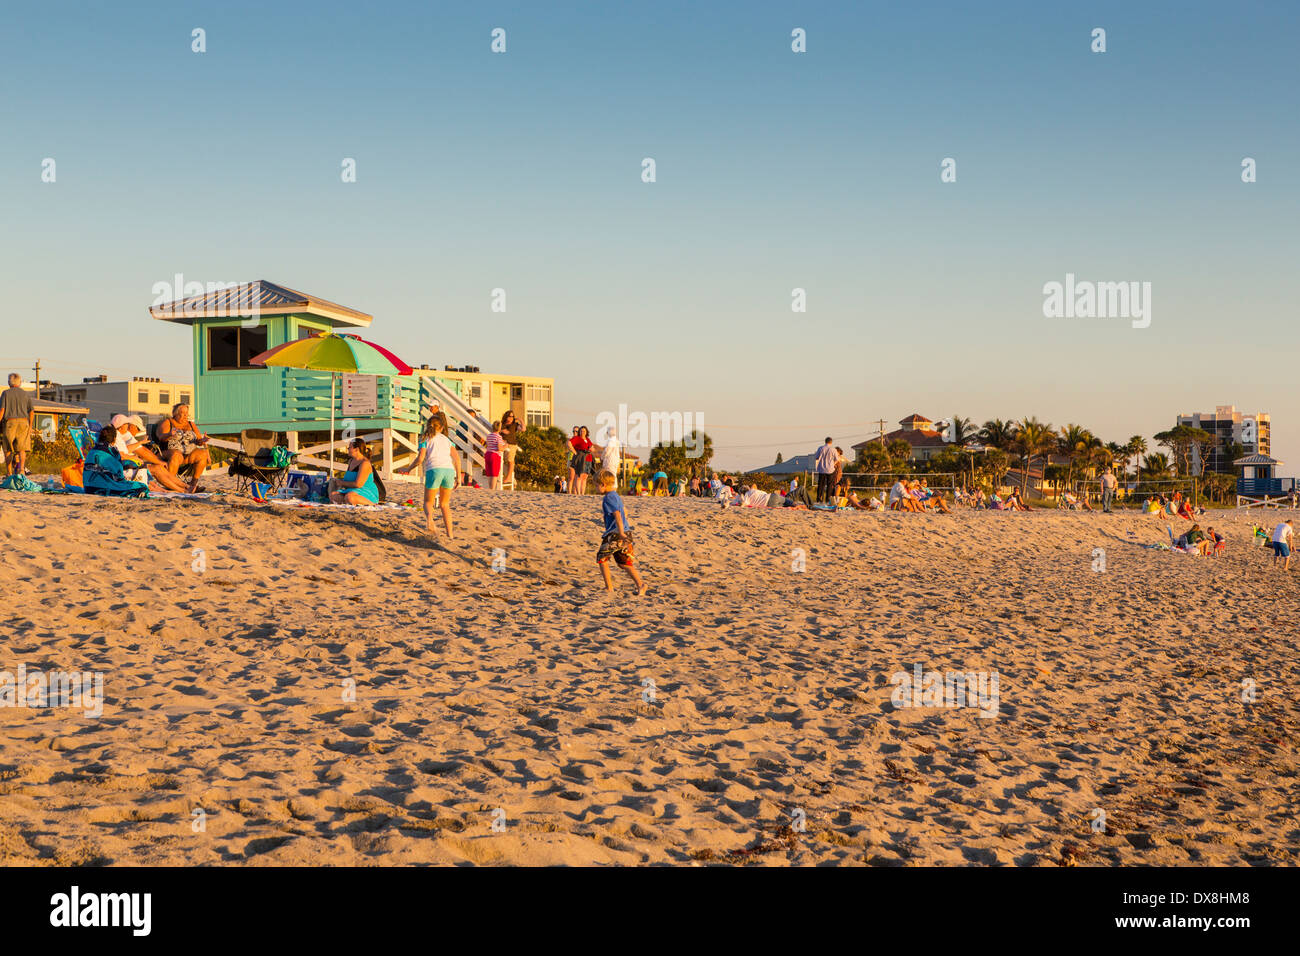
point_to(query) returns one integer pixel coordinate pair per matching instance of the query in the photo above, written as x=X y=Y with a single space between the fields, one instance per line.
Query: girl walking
x=441 y=463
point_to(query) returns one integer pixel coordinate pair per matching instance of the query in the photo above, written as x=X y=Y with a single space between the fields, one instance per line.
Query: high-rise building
x=1229 y=427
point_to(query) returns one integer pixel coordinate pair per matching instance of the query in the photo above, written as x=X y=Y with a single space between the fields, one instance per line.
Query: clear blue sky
x=775 y=170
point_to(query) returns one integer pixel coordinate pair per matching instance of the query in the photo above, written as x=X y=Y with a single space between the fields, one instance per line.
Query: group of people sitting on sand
x=123 y=447
x=1196 y=541
x=916 y=496
x=1175 y=507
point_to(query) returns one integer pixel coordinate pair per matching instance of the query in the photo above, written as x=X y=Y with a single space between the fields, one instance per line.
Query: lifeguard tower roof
x=257 y=298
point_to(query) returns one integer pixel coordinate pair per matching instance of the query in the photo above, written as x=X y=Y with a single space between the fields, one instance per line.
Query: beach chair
x=159 y=448
x=83 y=440
x=255 y=461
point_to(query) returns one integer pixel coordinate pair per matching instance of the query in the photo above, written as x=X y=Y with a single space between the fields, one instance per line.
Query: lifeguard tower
x=231 y=325
x=1258 y=485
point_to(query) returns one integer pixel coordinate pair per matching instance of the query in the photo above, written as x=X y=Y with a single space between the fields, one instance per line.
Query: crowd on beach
x=127 y=459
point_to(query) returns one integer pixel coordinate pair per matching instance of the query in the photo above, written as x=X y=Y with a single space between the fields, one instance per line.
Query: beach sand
x=506 y=716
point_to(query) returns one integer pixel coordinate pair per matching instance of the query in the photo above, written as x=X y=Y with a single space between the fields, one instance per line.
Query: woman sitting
x=103 y=473
x=1195 y=541
x=357 y=486
x=846 y=497
x=185 y=444
x=901 y=497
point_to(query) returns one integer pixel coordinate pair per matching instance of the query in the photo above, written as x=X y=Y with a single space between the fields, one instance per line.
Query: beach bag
x=72 y=475
x=103 y=475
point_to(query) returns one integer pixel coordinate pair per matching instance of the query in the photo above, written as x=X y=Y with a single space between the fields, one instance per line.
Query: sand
x=505 y=714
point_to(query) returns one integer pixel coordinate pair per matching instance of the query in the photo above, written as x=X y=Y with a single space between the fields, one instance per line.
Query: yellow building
x=150 y=398
x=531 y=398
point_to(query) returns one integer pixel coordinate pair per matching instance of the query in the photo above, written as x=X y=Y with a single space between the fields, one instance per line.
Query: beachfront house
x=230 y=326
x=529 y=397
x=920 y=433
x=796 y=465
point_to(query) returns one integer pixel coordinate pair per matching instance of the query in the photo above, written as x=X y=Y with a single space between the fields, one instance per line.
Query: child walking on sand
x=617 y=540
x=441 y=463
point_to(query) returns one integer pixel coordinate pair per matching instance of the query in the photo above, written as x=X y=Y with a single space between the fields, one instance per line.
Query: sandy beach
x=508 y=711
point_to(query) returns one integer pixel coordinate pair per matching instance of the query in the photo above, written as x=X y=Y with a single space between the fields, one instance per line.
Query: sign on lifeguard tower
x=360 y=395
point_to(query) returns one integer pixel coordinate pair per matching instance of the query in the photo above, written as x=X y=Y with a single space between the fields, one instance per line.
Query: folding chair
x=255 y=461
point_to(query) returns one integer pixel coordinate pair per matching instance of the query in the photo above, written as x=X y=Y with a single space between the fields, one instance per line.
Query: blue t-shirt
x=611 y=505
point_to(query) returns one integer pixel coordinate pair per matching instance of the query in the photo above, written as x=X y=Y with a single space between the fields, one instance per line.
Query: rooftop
x=257 y=299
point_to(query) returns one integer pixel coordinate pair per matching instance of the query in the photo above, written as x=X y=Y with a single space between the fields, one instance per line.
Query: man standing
x=1282 y=544
x=17 y=419
x=825 y=470
x=612 y=456
x=1108 y=485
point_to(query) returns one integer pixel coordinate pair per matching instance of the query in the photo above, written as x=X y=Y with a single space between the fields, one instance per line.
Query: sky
x=775 y=171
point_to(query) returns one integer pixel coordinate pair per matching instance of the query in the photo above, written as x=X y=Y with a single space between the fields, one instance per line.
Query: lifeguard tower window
x=231 y=347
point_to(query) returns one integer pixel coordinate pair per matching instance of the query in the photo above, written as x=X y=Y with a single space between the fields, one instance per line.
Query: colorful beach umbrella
x=333 y=352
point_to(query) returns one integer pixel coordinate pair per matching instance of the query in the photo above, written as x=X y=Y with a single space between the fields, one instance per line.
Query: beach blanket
x=19 y=483
x=299 y=503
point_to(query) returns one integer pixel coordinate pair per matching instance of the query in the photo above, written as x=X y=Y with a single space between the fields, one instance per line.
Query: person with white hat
x=131 y=447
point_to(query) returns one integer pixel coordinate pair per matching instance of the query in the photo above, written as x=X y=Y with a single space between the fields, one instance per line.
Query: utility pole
x=38 y=380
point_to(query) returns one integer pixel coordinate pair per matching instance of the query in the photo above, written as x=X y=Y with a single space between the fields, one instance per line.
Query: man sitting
x=1075 y=503
x=130 y=447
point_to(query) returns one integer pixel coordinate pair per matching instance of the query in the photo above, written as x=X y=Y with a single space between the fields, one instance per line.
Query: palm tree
x=963 y=431
x=1119 y=454
x=1137 y=446
x=873 y=459
x=1033 y=439
x=998 y=433
x=1155 y=465
x=1075 y=441
x=994 y=463
x=899 y=451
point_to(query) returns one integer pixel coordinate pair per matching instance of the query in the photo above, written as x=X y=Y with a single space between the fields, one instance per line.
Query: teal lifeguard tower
x=232 y=324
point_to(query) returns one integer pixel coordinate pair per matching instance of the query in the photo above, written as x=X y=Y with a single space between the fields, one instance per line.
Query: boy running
x=617 y=540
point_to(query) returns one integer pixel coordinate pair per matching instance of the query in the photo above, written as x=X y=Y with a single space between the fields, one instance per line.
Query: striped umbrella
x=334 y=352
